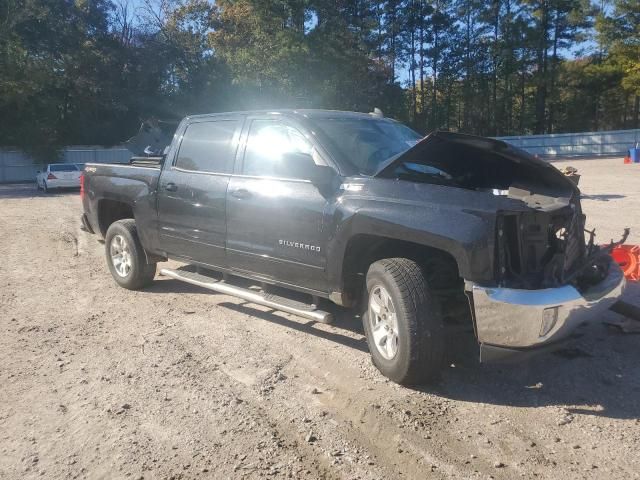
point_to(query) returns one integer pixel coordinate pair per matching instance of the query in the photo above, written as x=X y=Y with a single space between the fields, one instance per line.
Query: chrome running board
x=267 y=299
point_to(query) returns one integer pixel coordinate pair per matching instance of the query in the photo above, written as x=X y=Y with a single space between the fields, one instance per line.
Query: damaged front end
x=540 y=249
x=548 y=278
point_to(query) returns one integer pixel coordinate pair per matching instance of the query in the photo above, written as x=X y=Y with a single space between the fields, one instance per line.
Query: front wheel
x=125 y=256
x=403 y=322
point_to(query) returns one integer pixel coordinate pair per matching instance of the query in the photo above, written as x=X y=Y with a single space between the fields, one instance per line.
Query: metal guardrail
x=585 y=144
x=16 y=166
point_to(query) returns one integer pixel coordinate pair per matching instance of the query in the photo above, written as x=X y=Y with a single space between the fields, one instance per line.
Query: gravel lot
x=176 y=382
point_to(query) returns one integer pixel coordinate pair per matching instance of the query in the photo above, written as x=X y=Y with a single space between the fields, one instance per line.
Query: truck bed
x=108 y=185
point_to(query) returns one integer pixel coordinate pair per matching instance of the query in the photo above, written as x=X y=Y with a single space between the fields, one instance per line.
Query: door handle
x=171 y=187
x=241 y=193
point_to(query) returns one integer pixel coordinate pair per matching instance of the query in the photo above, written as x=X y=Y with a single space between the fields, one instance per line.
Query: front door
x=275 y=224
x=192 y=191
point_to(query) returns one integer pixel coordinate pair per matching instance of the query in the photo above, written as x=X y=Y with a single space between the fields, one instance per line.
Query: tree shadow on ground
x=594 y=374
x=345 y=320
x=29 y=190
x=605 y=197
x=336 y=334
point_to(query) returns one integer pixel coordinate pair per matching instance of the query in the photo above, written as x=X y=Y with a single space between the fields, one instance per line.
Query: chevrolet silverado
x=360 y=210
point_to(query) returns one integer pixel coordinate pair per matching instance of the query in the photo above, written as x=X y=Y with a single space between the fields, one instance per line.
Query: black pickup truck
x=414 y=233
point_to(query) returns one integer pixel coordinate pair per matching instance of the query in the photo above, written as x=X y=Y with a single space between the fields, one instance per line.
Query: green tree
x=619 y=39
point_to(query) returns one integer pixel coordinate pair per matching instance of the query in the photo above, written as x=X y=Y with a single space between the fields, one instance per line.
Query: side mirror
x=322 y=175
x=302 y=166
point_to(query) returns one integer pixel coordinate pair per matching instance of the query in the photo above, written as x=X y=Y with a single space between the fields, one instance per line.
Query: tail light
x=82 y=185
x=51 y=176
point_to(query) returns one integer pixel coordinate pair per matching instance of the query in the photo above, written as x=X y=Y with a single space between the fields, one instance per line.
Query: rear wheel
x=125 y=256
x=402 y=322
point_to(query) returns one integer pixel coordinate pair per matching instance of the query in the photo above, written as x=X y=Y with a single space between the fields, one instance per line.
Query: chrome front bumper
x=523 y=319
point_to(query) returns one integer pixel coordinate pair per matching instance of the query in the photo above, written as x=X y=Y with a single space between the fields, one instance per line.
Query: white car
x=58 y=175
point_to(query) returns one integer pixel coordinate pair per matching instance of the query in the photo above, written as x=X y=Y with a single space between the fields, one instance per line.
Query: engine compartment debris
x=571 y=173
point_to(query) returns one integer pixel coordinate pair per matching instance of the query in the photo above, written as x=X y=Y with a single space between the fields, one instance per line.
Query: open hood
x=481 y=164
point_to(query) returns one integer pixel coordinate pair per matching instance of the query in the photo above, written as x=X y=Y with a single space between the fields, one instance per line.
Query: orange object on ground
x=627 y=159
x=628 y=257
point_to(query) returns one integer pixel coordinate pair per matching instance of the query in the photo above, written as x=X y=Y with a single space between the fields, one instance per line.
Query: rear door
x=275 y=224
x=192 y=190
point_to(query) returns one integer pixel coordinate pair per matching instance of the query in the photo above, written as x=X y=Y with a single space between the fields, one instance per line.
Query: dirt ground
x=177 y=382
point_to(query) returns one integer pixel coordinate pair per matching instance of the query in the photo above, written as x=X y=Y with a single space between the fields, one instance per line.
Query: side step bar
x=260 y=298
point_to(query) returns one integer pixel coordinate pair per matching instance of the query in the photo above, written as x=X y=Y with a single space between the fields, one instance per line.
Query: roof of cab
x=307 y=113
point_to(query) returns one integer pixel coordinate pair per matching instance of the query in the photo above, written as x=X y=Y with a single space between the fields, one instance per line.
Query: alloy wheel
x=383 y=321
x=120 y=255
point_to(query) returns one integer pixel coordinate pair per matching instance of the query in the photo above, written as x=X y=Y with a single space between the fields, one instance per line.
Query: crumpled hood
x=481 y=162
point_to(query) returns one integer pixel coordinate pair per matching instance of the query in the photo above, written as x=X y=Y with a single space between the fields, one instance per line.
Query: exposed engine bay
x=548 y=249
x=541 y=245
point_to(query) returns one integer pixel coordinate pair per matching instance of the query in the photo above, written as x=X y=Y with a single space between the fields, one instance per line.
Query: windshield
x=366 y=143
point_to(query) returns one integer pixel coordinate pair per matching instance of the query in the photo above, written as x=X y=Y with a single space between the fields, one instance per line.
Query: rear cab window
x=208 y=146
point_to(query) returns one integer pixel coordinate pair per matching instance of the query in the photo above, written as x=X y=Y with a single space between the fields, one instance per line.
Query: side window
x=207 y=147
x=268 y=141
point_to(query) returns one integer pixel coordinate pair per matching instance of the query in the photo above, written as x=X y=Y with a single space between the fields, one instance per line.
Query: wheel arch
x=364 y=249
x=110 y=211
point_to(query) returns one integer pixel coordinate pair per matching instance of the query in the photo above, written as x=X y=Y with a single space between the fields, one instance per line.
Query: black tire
x=139 y=273
x=420 y=332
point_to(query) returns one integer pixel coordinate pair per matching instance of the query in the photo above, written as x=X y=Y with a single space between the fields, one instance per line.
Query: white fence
x=587 y=144
x=16 y=166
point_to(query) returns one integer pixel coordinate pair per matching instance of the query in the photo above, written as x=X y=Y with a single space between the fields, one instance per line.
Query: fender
x=459 y=222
